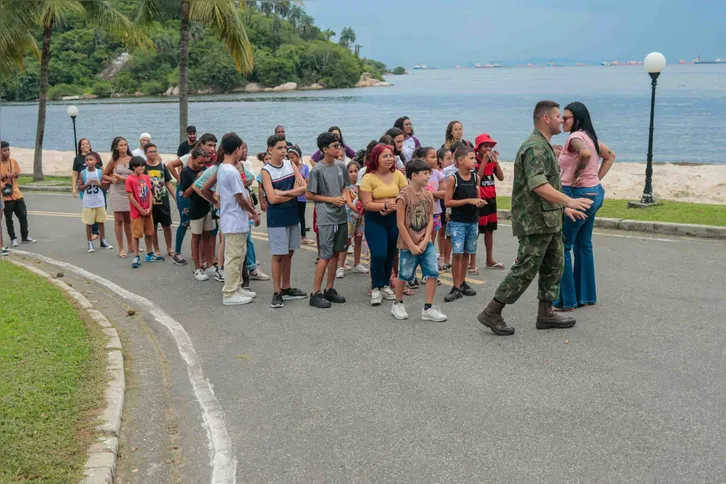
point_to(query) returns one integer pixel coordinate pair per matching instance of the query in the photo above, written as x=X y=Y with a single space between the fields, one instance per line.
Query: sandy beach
x=685 y=183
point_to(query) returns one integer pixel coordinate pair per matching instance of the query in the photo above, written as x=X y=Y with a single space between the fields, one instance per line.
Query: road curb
x=666 y=228
x=49 y=188
x=102 y=454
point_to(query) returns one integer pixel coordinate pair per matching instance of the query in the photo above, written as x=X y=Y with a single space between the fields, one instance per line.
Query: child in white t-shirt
x=93 y=202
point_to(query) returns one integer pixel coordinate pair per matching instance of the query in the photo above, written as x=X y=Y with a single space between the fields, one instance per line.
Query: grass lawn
x=48 y=180
x=677 y=212
x=52 y=375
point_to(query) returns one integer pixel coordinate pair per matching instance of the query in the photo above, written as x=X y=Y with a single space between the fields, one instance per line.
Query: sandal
x=474 y=271
x=408 y=291
x=497 y=265
x=123 y=254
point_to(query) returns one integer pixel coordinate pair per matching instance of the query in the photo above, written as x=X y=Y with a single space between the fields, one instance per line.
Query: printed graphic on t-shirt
x=417 y=216
x=158 y=184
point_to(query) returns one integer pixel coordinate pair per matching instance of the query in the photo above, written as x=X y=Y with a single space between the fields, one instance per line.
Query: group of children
x=447 y=195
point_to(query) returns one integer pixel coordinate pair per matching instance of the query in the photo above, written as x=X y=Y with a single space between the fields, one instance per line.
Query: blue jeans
x=251 y=260
x=183 y=206
x=381 y=234
x=407 y=263
x=577 y=287
x=463 y=236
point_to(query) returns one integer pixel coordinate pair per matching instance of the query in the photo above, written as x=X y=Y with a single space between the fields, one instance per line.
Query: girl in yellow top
x=378 y=192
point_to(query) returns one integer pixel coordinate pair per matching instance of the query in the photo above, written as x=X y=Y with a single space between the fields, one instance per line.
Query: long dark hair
x=581 y=122
x=115 y=155
x=399 y=124
x=393 y=132
x=335 y=128
x=448 y=136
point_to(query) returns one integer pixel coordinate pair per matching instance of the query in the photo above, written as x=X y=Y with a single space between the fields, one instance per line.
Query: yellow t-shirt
x=379 y=190
x=10 y=166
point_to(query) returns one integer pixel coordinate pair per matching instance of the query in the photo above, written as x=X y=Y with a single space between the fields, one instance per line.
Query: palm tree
x=295 y=15
x=15 y=39
x=347 y=37
x=329 y=34
x=307 y=26
x=223 y=16
x=282 y=8
x=356 y=50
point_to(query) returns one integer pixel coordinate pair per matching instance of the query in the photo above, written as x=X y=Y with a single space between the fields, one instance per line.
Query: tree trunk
x=42 y=102
x=184 y=70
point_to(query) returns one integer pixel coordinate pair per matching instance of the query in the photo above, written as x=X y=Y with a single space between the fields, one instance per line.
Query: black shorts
x=161 y=215
x=488 y=216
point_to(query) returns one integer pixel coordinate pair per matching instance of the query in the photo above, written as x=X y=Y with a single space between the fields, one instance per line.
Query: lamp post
x=73 y=113
x=654 y=63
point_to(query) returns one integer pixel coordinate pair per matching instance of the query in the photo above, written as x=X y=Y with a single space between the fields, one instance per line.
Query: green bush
x=57 y=92
x=102 y=89
x=125 y=83
x=153 y=88
x=399 y=71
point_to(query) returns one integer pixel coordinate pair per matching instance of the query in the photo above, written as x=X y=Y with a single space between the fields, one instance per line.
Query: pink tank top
x=568 y=163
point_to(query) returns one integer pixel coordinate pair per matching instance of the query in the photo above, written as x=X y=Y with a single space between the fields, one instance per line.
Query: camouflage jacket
x=535 y=165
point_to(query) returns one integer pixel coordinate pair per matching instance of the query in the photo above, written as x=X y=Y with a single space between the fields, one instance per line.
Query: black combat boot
x=492 y=318
x=547 y=318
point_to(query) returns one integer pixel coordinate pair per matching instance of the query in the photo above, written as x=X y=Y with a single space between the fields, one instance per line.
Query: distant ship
x=488 y=66
x=420 y=66
x=717 y=60
x=553 y=64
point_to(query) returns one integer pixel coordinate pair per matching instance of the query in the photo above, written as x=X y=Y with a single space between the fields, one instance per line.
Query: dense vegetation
x=287 y=47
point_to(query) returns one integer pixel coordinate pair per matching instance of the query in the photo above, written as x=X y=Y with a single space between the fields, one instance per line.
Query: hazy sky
x=449 y=32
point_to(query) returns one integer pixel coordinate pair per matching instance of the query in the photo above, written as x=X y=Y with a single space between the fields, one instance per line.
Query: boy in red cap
x=487 y=167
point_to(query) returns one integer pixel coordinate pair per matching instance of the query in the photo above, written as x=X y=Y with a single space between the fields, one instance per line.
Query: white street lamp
x=72 y=111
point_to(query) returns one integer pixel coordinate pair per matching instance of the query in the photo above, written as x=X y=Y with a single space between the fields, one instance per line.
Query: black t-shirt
x=465 y=189
x=198 y=206
x=79 y=163
x=184 y=148
x=160 y=176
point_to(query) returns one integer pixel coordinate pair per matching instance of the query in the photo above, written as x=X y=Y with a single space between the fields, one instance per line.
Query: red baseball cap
x=484 y=138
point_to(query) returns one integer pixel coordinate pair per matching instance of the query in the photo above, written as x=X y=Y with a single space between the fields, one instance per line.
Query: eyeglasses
x=335 y=145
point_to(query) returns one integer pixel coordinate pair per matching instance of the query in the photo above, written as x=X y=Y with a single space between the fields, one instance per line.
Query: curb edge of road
x=100 y=468
x=49 y=188
x=666 y=228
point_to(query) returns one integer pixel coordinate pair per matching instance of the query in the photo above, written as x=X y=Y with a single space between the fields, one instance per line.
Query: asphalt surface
x=635 y=392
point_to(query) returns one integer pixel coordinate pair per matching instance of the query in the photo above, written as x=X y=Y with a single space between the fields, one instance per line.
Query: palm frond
x=16 y=34
x=223 y=17
x=54 y=12
x=114 y=22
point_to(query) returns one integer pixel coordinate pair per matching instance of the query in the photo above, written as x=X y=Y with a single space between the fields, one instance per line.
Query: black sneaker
x=277 y=301
x=453 y=295
x=466 y=289
x=333 y=296
x=414 y=284
x=318 y=301
x=293 y=293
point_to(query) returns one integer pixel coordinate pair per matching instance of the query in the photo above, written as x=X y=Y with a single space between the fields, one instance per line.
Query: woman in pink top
x=581 y=173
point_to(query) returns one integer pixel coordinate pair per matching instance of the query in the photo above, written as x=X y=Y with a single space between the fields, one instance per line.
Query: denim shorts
x=463 y=236
x=407 y=263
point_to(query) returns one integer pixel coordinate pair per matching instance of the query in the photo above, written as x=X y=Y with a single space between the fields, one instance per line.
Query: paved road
x=634 y=393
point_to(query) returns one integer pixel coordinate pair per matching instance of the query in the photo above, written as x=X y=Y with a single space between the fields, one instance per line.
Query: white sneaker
x=247 y=293
x=219 y=275
x=376 y=297
x=200 y=275
x=236 y=299
x=399 y=310
x=350 y=249
x=14 y=242
x=339 y=273
x=433 y=314
x=258 y=275
x=91 y=249
x=360 y=269
x=388 y=294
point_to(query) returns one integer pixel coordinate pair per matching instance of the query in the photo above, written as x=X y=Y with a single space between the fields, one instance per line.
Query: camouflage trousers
x=538 y=253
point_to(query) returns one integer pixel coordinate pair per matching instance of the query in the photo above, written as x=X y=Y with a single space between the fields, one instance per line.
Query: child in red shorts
x=487 y=167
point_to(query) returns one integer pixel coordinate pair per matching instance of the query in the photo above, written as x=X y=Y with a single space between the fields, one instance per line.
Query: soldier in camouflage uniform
x=537 y=210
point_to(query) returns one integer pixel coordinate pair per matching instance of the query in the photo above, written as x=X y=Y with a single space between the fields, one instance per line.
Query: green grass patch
x=48 y=180
x=52 y=375
x=676 y=212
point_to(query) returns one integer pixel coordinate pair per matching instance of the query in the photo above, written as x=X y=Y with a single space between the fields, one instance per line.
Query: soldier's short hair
x=542 y=108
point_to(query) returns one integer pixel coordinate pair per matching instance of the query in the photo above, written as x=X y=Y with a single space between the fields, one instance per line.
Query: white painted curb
x=101 y=465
